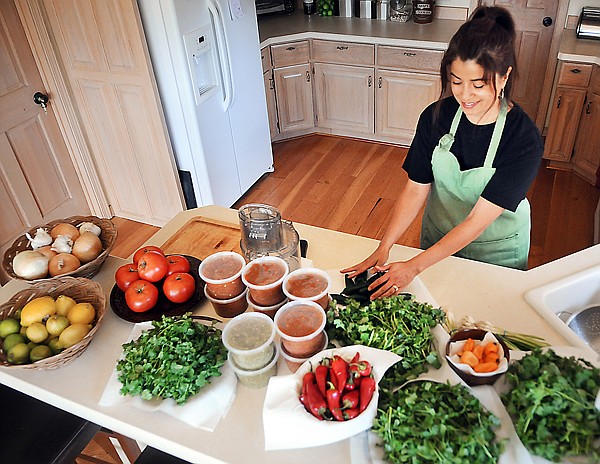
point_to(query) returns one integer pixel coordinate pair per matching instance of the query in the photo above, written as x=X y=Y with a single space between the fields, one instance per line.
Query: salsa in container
x=300 y=325
x=267 y=310
x=255 y=378
x=308 y=283
x=222 y=272
x=249 y=338
x=264 y=278
x=293 y=363
x=231 y=307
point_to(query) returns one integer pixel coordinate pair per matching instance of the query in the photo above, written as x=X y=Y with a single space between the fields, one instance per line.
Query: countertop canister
x=423 y=11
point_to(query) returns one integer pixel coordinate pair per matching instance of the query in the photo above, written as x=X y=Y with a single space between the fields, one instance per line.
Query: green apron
x=453 y=195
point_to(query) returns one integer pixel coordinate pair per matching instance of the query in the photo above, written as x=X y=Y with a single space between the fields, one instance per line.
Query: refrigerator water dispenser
x=201 y=58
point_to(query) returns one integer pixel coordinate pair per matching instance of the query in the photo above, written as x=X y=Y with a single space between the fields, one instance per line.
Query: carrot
x=491 y=347
x=491 y=357
x=478 y=352
x=485 y=367
x=469 y=358
x=469 y=345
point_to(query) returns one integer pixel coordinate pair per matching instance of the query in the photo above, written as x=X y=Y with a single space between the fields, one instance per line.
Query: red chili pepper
x=362 y=368
x=350 y=413
x=367 y=388
x=351 y=399
x=357 y=381
x=355 y=358
x=333 y=402
x=339 y=368
x=321 y=374
x=351 y=383
x=314 y=402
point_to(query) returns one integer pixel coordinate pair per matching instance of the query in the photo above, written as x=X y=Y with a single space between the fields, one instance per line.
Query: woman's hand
x=377 y=258
x=396 y=277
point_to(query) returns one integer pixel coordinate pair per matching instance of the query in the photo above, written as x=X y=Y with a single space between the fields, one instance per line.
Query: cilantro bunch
x=398 y=324
x=174 y=359
x=437 y=423
x=551 y=403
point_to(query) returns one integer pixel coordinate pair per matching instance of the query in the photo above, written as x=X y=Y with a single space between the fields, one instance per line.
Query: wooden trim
x=32 y=16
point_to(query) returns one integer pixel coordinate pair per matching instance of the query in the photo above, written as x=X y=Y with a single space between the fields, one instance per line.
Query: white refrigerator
x=206 y=59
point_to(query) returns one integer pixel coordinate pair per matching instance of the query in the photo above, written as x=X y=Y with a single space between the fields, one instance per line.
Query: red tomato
x=177 y=263
x=141 y=296
x=179 y=287
x=138 y=254
x=126 y=275
x=152 y=266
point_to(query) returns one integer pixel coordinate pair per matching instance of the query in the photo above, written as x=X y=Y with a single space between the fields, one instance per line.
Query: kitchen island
x=465 y=287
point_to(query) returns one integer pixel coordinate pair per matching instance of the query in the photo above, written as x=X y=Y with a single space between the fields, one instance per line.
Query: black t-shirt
x=517 y=160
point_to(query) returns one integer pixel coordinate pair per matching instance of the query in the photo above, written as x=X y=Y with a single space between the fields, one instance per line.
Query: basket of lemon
x=50 y=323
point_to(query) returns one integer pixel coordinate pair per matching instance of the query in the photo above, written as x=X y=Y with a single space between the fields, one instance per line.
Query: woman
x=473 y=158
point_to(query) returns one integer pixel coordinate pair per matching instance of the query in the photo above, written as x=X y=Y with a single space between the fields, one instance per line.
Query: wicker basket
x=81 y=290
x=89 y=270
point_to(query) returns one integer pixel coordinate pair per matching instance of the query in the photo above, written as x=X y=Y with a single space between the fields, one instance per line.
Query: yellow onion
x=87 y=247
x=63 y=263
x=30 y=264
x=47 y=251
x=66 y=229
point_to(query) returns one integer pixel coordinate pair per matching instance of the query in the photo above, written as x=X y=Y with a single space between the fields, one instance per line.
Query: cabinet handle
x=588 y=108
x=289 y=49
x=380 y=81
x=272 y=83
x=575 y=70
x=558 y=102
x=342 y=47
x=409 y=54
x=370 y=81
x=307 y=76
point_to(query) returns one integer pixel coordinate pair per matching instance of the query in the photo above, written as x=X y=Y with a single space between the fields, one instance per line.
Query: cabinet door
x=271 y=104
x=564 y=119
x=293 y=91
x=587 y=148
x=344 y=97
x=401 y=97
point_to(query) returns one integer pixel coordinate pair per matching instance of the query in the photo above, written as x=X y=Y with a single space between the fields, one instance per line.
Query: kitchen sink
x=564 y=297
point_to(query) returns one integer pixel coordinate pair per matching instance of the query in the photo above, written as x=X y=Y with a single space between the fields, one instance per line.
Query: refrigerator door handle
x=222 y=52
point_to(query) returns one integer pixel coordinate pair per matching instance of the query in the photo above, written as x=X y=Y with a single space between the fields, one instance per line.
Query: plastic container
x=300 y=324
x=222 y=272
x=267 y=310
x=249 y=339
x=308 y=284
x=231 y=307
x=260 y=227
x=289 y=251
x=293 y=363
x=264 y=278
x=257 y=378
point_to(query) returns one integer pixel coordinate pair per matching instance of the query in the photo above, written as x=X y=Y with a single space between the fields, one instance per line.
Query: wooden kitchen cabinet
x=269 y=82
x=586 y=156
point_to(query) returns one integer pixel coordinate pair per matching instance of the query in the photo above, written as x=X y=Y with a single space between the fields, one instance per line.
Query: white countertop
x=465 y=287
x=281 y=28
x=582 y=50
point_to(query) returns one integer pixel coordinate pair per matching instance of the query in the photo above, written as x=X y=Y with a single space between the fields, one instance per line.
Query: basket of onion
x=76 y=246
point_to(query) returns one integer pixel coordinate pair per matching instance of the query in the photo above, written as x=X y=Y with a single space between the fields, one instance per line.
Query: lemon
x=37 y=332
x=82 y=313
x=40 y=352
x=56 y=324
x=63 y=304
x=12 y=340
x=9 y=326
x=18 y=354
x=73 y=334
x=37 y=310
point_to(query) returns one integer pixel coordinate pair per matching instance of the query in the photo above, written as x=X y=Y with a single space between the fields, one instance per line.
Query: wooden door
x=38 y=181
x=293 y=91
x=587 y=145
x=102 y=48
x=535 y=21
x=564 y=120
x=401 y=97
x=345 y=97
x=271 y=103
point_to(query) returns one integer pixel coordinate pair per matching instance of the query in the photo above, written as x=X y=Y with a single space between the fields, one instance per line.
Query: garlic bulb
x=41 y=238
x=90 y=227
x=62 y=244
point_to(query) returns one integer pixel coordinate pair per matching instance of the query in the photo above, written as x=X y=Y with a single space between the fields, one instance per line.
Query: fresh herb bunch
x=437 y=423
x=174 y=359
x=398 y=324
x=551 y=403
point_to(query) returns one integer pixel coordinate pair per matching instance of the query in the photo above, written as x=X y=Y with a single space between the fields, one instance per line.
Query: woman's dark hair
x=488 y=38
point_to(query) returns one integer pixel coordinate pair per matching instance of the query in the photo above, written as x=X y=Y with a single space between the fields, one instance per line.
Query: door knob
x=41 y=99
x=547 y=21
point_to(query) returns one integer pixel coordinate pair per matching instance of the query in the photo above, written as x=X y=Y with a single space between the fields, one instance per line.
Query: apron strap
x=496 y=135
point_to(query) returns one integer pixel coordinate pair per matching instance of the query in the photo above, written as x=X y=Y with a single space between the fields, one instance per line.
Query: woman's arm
x=409 y=203
x=400 y=274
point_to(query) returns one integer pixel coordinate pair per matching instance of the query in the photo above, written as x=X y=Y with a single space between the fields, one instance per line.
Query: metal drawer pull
x=342 y=47
x=289 y=49
x=558 y=102
x=409 y=54
x=380 y=81
x=370 y=81
x=575 y=70
x=307 y=76
x=588 y=108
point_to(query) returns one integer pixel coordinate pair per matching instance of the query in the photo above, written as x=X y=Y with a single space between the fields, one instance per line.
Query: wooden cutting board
x=201 y=237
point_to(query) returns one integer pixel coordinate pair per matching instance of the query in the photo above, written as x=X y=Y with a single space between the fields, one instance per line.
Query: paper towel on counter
x=203 y=410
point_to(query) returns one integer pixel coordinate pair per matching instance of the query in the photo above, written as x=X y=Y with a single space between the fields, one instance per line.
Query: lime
x=53 y=345
x=12 y=340
x=40 y=352
x=18 y=354
x=9 y=326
